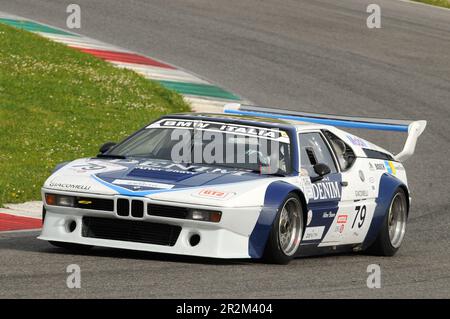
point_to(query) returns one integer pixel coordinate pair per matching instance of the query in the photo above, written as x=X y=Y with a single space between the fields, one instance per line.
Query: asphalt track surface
x=302 y=55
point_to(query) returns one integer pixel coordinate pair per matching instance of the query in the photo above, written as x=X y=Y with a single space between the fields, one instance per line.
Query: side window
x=314 y=150
x=343 y=151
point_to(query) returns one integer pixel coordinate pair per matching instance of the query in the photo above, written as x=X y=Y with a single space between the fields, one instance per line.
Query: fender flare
x=275 y=195
x=388 y=185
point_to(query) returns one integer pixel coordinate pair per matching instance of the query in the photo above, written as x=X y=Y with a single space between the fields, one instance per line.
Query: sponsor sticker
x=390 y=167
x=328 y=215
x=245 y=130
x=96 y=167
x=182 y=169
x=361 y=193
x=313 y=233
x=142 y=184
x=340 y=223
x=214 y=194
x=326 y=190
x=304 y=182
x=340 y=228
x=357 y=141
x=69 y=186
x=342 y=219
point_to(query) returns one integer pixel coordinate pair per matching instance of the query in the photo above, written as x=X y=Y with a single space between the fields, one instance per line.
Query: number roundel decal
x=360 y=216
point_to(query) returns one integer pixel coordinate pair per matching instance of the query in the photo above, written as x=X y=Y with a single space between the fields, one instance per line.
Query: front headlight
x=204 y=215
x=60 y=200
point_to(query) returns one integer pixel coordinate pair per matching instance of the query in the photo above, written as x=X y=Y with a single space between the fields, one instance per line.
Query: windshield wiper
x=110 y=156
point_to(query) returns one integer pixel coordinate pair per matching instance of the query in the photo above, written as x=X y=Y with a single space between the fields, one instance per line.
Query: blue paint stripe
x=127 y=192
x=275 y=194
x=341 y=123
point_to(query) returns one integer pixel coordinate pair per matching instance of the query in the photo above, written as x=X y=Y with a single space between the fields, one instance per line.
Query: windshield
x=260 y=149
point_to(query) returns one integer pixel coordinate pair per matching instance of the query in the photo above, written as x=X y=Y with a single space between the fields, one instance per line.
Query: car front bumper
x=228 y=238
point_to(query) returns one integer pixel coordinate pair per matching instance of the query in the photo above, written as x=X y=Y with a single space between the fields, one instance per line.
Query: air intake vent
x=129 y=230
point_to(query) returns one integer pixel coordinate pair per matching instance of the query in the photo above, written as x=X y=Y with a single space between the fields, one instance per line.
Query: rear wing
x=413 y=128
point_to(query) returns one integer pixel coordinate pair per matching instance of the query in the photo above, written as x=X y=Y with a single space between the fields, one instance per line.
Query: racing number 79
x=361 y=212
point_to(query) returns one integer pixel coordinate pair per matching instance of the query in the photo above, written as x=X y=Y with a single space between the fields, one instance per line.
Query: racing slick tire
x=393 y=228
x=286 y=233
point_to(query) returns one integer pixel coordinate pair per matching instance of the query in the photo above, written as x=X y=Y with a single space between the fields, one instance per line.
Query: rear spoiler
x=413 y=128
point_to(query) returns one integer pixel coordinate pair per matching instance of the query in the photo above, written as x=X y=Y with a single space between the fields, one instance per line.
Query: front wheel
x=286 y=233
x=393 y=229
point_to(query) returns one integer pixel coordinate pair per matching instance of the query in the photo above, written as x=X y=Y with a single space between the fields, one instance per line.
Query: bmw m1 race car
x=250 y=183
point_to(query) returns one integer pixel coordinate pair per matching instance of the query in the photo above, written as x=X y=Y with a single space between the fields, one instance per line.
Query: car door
x=325 y=199
x=358 y=195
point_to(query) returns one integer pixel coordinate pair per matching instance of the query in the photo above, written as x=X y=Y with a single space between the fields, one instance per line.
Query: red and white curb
x=202 y=95
x=26 y=216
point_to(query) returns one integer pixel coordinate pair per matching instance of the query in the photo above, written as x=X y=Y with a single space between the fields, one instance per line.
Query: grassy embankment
x=58 y=104
x=439 y=3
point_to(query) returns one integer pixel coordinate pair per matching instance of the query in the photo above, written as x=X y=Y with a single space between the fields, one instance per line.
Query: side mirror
x=106 y=147
x=321 y=170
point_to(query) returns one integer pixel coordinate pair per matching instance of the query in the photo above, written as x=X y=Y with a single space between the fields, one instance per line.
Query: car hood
x=158 y=179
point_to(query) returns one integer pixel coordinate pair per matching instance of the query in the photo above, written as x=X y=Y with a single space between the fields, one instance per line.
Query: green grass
x=440 y=3
x=58 y=104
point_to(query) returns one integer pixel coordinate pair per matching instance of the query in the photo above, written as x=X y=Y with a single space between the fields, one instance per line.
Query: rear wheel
x=286 y=233
x=393 y=229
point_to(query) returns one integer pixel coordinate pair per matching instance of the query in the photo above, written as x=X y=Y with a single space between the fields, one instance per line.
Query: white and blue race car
x=301 y=187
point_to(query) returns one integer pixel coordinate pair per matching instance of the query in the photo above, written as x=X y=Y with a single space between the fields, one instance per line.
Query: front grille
x=137 y=208
x=167 y=211
x=123 y=207
x=133 y=231
x=95 y=203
